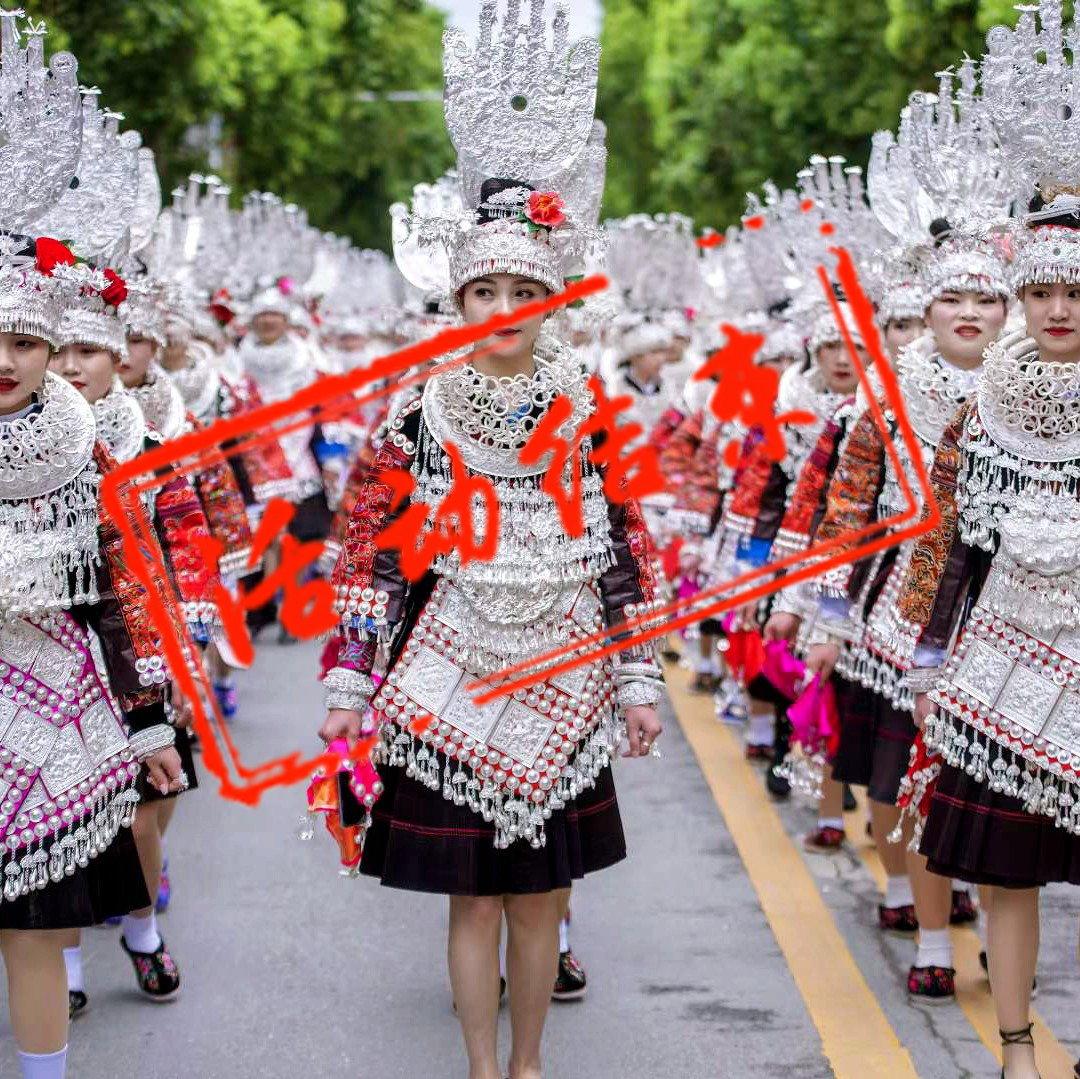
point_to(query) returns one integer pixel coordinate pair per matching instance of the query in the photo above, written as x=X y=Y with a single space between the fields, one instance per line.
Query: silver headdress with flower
x=91 y=316
x=521 y=110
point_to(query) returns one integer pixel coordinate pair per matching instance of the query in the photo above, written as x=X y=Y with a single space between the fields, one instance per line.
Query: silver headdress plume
x=1031 y=92
x=40 y=124
x=840 y=217
x=95 y=211
x=40 y=140
x=519 y=110
x=515 y=106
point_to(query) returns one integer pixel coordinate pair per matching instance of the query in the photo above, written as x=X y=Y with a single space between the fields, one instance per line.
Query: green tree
x=707 y=99
x=287 y=82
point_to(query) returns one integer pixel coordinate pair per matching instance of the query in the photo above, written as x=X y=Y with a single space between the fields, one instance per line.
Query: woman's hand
x=782 y=626
x=924 y=709
x=164 y=771
x=342 y=723
x=181 y=707
x=821 y=659
x=643 y=727
x=744 y=618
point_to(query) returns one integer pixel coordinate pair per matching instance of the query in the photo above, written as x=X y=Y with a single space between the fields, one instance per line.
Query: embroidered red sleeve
x=931 y=552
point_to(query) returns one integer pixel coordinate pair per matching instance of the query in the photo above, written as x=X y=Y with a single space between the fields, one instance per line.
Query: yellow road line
x=972 y=992
x=856 y=1037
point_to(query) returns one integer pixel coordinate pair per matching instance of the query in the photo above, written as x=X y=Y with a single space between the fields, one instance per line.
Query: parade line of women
x=949 y=662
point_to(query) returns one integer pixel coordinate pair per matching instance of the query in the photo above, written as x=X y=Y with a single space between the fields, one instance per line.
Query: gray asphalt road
x=293 y=971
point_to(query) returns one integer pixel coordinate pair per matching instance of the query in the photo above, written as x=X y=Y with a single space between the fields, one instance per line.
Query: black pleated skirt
x=875 y=741
x=312 y=519
x=976 y=835
x=421 y=842
x=111 y=885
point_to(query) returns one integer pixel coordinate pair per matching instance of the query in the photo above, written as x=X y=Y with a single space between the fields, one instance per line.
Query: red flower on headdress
x=221 y=307
x=50 y=254
x=286 y=286
x=115 y=292
x=545 y=208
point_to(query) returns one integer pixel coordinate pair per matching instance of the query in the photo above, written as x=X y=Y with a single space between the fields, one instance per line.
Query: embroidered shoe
x=758 y=753
x=931 y=985
x=156 y=973
x=570 y=981
x=897 y=919
x=77 y=1003
x=703 y=683
x=963 y=909
x=161 y=904
x=824 y=840
x=226 y=698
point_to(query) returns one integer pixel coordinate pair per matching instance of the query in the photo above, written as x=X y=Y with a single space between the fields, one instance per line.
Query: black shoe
x=77 y=1002
x=849 y=800
x=570 y=981
x=155 y=972
x=777 y=785
x=285 y=637
x=669 y=655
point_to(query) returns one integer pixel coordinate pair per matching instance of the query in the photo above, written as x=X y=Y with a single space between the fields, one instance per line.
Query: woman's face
x=269 y=327
x=141 y=351
x=836 y=365
x=645 y=367
x=88 y=368
x=503 y=294
x=900 y=332
x=964 y=323
x=23 y=360
x=1052 y=313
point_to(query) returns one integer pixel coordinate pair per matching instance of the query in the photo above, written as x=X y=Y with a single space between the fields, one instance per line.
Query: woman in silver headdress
x=994 y=595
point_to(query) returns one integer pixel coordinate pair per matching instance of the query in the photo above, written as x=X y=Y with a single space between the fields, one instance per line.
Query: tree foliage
x=285 y=78
x=706 y=99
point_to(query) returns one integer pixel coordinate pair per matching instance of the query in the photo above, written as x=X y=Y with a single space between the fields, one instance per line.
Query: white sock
x=759 y=729
x=935 y=948
x=703 y=665
x=980 y=928
x=564 y=935
x=73 y=964
x=141 y=934
x=898 y=892
x=43 y=1065
x=831 y=822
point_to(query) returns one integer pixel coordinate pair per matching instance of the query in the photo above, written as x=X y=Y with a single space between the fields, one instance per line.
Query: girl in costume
x=500 y=806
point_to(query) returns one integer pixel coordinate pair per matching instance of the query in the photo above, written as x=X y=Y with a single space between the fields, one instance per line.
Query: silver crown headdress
x=947 y=164
x=94 y=213
x=654 y=264
x=40 y=140
x=840 y=216
x=1031 y=92
x=519 y=110
x=143 y=312
x=90 y=318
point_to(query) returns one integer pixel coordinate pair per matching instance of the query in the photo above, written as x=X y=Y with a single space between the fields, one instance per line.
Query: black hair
x=1068 y=219
x=940 y=230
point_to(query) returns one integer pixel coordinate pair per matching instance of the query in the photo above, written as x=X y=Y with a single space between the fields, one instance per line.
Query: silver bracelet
x=631 y=672
x=146 y=743
x=922 y=679
x=346 y=689
x=645 y=692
